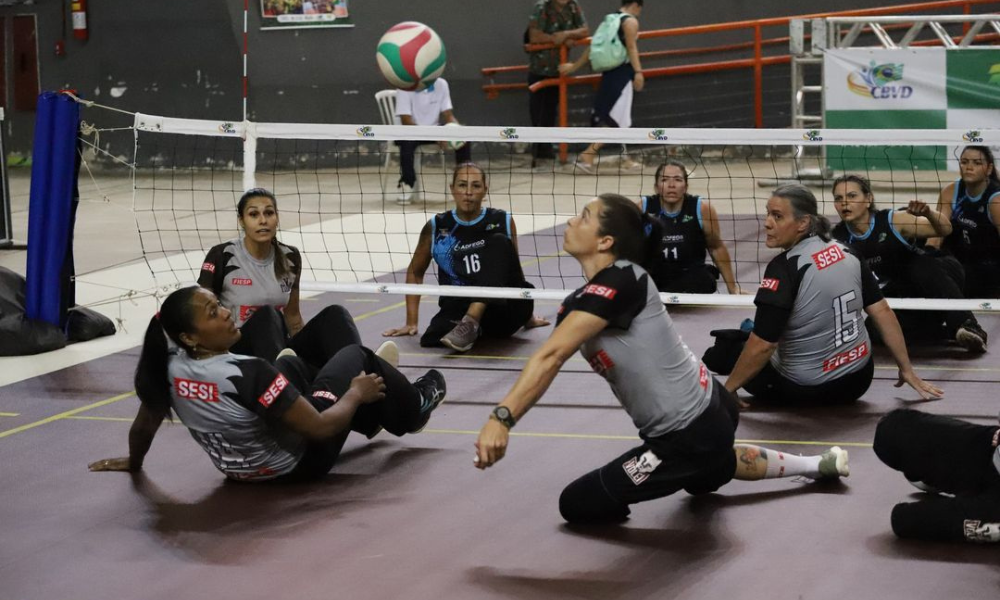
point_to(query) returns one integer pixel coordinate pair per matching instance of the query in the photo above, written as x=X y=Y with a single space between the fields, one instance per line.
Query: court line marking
x=578 y=359
x=68 y=413
x=9 y=414
x=572 y=436
x=632 y=438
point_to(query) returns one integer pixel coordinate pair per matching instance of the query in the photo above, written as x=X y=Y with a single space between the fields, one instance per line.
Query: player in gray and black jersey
x=809 y=341
x=248 y=415
x=685 y=418
x=257 y=278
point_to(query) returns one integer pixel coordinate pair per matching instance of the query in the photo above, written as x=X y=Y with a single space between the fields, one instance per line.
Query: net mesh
x=337 y=188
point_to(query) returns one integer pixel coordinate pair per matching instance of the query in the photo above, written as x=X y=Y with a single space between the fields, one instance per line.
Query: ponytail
x=151 y=383
x=804 y=204
x=176 y=316
x=638 y=237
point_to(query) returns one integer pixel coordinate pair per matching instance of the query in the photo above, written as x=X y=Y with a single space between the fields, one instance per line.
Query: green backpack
x=606 y=49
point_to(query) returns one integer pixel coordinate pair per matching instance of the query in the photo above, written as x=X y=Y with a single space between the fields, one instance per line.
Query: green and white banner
x=912 y=88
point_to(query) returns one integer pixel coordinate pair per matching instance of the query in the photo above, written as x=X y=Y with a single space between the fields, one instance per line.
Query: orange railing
x=757 y=62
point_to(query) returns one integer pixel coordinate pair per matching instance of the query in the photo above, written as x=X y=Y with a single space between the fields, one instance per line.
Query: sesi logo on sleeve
x=769 y=283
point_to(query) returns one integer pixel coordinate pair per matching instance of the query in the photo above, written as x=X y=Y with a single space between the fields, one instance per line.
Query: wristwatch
x=502 y=414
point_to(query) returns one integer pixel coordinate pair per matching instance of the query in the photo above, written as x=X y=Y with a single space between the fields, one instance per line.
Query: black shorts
x=698 y=459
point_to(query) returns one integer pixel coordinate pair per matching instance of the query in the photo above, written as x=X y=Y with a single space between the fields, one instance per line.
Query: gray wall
x=183 y=58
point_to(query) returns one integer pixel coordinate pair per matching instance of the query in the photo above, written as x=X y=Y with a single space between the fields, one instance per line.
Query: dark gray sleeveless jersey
x=658 y=380
x=232 y=405
x=243 y=283
x=825 y=286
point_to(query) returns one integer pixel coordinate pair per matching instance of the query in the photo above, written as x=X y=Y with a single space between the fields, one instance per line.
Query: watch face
x=502 y=412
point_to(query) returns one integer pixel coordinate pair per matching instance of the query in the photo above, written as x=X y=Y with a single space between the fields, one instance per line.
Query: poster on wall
x=304 y=14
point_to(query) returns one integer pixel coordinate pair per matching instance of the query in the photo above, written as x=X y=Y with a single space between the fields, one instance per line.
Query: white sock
x=782 y=464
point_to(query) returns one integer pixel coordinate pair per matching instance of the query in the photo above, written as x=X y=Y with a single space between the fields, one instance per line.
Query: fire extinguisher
x=79 y=9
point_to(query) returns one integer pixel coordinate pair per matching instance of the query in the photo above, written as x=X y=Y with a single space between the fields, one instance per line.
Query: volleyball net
x=337 y=191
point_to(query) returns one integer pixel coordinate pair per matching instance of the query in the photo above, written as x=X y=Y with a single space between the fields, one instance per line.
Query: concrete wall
x=183 y=58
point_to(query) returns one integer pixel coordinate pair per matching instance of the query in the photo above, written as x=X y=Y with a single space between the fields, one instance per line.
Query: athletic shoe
x=589 y=169
x=389 y=352
x=285 y=352
x=405 y=194
x=432 y=390
x=833 y=464
x=463 y=336
x=971 y=337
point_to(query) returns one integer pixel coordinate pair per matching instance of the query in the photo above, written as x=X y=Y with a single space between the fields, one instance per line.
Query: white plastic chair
x=386 y=100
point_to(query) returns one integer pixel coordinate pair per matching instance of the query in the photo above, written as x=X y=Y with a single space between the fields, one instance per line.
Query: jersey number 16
x=471 y=263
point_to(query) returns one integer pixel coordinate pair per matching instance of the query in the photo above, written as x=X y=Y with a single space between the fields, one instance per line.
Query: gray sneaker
x=463 y=336
x=432 y=390
x=971 y=337
x=833 y=464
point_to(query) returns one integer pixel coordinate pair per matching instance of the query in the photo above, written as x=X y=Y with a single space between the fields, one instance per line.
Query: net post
x=249 y=156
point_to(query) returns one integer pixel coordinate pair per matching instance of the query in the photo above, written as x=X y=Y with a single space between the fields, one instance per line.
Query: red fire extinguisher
x=79 y=9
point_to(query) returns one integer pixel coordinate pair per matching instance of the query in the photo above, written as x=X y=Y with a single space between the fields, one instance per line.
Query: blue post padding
x=50 y=220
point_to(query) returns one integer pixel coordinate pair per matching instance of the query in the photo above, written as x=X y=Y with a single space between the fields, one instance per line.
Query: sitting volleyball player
x=256 y=421
x=472 y=245
x=690 y=231
x=257 y=278
x=809 y=342
x=686 y=419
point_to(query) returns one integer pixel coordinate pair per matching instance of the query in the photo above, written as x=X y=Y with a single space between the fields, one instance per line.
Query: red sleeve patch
x=273 y=391
x=189 y=389
x=770 y=283
x=830 y=256
x=600 y=290
x=208 y=267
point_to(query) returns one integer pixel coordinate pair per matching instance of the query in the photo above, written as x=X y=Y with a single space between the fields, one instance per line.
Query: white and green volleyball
x=411 y=56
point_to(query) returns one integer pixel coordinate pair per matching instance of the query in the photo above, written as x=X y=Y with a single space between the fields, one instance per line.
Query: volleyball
x=411 y=56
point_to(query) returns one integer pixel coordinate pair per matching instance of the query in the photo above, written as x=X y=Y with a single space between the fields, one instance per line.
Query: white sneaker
x=389 y=352
x=833 y=464
x=405 y=194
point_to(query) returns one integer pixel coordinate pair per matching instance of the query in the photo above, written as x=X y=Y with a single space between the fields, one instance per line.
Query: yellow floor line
x=67 y=414
x=578 y=359
x=635 y=438
x=9 y=414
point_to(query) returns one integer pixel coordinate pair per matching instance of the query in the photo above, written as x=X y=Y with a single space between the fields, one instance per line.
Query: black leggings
x=503 y=317
x=771 y=386
x=698 y=459
x=949 y=455
x=265 y=334
x=700 y=279
x=398 y=413
x=929 y=276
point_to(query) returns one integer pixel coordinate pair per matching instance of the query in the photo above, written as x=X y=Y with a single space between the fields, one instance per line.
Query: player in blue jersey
x=690 y=231
x=472 y=245
x=889 y=240
x=972 y=203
